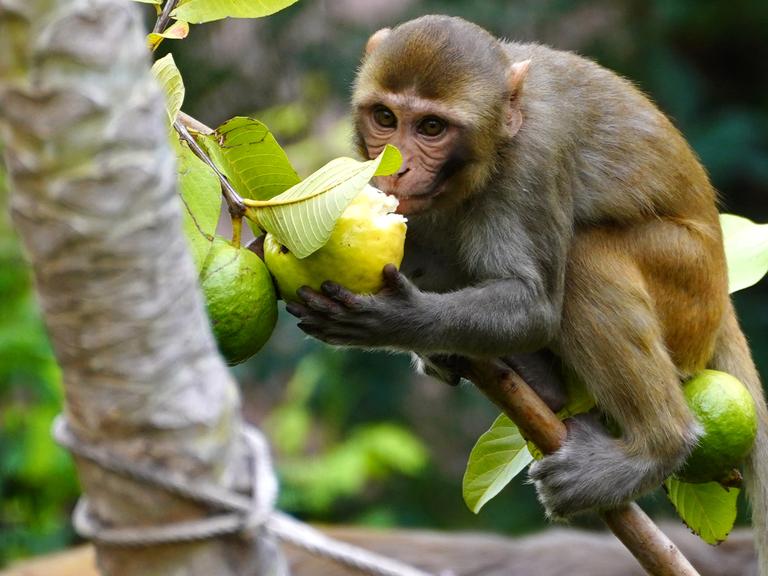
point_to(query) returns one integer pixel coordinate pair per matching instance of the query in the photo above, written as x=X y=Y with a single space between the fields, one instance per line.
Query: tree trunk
x=94 y=200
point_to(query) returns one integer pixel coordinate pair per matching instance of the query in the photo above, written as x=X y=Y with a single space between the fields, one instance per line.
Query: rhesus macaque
x=553 y=209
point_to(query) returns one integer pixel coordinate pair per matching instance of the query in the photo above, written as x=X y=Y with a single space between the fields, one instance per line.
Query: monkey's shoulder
x=614 y=150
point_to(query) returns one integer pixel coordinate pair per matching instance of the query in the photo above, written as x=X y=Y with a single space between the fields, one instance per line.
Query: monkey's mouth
x=415 y=203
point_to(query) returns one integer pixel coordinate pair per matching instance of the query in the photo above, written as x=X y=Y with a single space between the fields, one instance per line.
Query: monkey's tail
x=732 y=356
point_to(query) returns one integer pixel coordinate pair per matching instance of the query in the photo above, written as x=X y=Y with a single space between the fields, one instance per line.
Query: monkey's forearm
x=495 y=319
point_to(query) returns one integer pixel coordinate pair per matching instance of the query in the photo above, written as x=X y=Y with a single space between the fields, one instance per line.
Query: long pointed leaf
x=199 y=11
x=708 y=509
x=173 y=86
x=303 y=217
x=200 y=193
x=746 y=249
x=499 y=455
x=249 y=156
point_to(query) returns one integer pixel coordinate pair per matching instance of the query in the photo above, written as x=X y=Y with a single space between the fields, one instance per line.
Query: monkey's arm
x=493 y=318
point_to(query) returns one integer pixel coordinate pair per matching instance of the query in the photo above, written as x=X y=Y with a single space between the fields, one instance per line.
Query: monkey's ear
x=515 y=80
x=515 y=76
x=376 y=39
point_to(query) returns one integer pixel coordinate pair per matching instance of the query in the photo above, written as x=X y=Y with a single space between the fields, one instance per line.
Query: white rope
x=240 y=513
x=288 y=529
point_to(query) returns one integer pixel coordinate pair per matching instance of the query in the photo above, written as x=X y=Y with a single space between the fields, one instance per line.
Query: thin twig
x=649 y=545
x=237 y=209
x=194 y=124
x=237 y=231
x=165 y=16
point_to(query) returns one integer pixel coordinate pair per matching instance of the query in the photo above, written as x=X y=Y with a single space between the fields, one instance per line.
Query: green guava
x=726 y=410
x=240 y=298
x=366 y=237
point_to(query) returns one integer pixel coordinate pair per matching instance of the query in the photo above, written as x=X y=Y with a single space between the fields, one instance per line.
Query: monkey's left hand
x=338 y=316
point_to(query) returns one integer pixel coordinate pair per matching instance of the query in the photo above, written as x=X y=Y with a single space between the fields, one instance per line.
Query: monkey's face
x=446 y=94
x=427 y=135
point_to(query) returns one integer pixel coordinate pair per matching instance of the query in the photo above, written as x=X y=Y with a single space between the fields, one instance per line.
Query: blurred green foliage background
x=357 y=436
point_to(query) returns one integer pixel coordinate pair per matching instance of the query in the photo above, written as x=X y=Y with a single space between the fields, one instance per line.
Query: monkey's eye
x=384 y=117
x=432 y=126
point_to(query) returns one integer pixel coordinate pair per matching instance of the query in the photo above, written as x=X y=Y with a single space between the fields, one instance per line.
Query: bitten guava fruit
x=240 y=298
x=367 y=236
x=726 y=410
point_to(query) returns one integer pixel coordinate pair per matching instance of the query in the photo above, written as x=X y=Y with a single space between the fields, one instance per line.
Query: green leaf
x=200 y=192
x=391 y=447
x=499 y=455
x=198 y=11
x=709 y=509
x=249 y=156
x=746 y=250
x=303 y=217
x=170 y=80
x=176 y=31
x=579 y=398
x=375 y=451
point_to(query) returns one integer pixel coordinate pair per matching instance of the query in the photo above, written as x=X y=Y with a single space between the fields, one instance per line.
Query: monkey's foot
x=593 y=471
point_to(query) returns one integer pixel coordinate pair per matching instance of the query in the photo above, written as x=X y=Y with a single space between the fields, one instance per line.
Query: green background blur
x=358 y=438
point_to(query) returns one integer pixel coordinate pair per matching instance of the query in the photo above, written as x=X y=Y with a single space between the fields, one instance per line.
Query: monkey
x=552 y=209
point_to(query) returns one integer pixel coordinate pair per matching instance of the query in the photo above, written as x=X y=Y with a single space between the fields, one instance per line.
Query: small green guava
x=726 y=410
x=366 y=237
x=240 y=299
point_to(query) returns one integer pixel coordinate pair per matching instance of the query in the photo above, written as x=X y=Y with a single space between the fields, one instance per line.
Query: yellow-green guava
x=366 y=237
x=240 y=298
x=726 y=410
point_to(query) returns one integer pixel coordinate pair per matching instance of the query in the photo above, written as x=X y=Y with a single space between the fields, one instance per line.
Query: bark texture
x=93 y=197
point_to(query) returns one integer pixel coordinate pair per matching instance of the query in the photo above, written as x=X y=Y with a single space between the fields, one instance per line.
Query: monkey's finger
x=333 y=334
x=318 y=302
x=394 y=280
x=342 y=295
x=296 y=309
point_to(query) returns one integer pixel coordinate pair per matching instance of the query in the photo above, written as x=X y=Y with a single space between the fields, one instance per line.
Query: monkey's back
x=618 y=153
x=635 y=188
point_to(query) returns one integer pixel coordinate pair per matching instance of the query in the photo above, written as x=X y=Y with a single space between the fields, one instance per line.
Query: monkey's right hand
x=443 y=367
x=338 y=316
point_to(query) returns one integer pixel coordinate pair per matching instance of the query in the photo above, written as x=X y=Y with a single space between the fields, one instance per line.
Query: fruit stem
x=237 y=229
x=734 y=479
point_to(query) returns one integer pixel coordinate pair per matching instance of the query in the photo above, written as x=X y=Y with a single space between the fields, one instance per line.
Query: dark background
x=358 y=437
